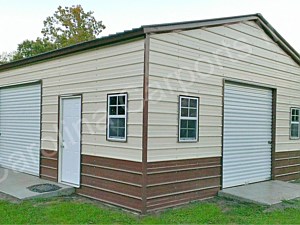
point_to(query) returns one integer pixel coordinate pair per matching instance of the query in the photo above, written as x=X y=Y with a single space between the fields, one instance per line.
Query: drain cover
x=42 y=188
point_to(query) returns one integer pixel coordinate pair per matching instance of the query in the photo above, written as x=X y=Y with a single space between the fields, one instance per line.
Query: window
x=117 y=117
x=188 y=119
x=295 y=116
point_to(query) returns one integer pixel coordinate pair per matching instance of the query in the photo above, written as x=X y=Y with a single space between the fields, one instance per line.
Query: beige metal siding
x=195 y=63
x=94 y=74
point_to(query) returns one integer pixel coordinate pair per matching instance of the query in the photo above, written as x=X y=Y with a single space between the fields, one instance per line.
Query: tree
x=5 y=57
x=71 y=25
x=67 y=26
x=30 y=48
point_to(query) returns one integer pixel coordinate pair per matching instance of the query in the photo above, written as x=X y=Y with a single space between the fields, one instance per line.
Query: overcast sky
x=20 y=20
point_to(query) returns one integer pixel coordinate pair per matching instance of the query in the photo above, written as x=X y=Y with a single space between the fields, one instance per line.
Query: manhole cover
x=42 y=188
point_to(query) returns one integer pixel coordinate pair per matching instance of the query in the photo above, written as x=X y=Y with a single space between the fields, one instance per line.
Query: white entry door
x=70 y=144
x=247 y=145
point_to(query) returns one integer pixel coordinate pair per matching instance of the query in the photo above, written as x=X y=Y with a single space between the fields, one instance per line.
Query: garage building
x=158 y=116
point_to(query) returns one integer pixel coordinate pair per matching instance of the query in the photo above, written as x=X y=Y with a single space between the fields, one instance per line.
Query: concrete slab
x=265 y=193
x=16 y=185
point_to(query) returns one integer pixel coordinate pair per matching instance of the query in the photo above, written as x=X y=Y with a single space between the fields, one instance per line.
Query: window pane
x=193 y=103
x=112 y=110
x=121 y=100
x=192 y=134
x=295 y=130
x=192 y=124
x=184 y=102
x=121 y=123
x=184 y=124
x=295 y=112
x=193 y=113
x=121 y=132
x=183 y=133
x=121 y=110
x=184 y=112
x=295 y=118
x=113 y=100
x=113 y=132
x=113 y=122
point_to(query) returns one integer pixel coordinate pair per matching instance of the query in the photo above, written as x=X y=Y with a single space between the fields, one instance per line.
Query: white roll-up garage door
x=247 y=134
x=20 y=113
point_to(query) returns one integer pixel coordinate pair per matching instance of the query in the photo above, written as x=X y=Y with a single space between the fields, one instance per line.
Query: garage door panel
x=247 y=135
x=20 y=110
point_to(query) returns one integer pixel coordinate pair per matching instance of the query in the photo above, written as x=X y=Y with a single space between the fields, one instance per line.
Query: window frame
x=187 y=118
x=108 y=117
x=293 y=122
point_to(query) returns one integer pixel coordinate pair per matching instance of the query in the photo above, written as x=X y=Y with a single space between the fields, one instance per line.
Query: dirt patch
x=5 y=197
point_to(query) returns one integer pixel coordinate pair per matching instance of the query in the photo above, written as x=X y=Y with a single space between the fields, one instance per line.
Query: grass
x=78 y=211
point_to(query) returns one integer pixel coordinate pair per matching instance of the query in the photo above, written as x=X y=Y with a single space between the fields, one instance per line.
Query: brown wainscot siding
x=49 y=165
x=287 y=165
x=112 y=181
x=173 y=183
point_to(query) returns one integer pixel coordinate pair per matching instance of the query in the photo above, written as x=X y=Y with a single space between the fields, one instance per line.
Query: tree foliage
x=71 y=25
x=67 y=26
x=5 y=57
x=30 y=48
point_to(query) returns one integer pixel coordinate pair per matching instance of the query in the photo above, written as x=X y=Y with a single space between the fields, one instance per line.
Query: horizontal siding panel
x=172 y=131
x=207 y=49
x=231 y=33
x=172 y=183
x=180 y=199
x=287 y=165
x=113 y=181
x=251 y=29
x=113 y=150
x=49 y=66
x=110 y=198
x=205 y=141
x=184 y=152
x=188 y=58
x=127 y=71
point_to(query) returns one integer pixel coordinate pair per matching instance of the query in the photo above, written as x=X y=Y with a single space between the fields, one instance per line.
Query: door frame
x=274 y=120
x=59 y=136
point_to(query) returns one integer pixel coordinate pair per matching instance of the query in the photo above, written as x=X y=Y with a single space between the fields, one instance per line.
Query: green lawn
x=78 y=211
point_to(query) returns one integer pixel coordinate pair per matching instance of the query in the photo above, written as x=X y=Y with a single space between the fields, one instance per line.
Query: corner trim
x=145 y=123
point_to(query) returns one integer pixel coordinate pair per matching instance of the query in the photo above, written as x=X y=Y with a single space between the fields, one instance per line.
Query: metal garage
x=247 y=144
x=20 y=113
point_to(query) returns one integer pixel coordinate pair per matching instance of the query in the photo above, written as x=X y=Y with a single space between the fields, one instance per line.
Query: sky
x=21 y=20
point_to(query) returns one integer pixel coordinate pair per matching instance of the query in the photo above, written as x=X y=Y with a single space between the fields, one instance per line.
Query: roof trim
x=276 y=37
x=112 y=39
x=197 y=24
x=159 y=28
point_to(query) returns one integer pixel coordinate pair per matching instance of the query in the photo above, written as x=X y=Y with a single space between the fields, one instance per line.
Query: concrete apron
x=16 y=184
x=264 y=193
